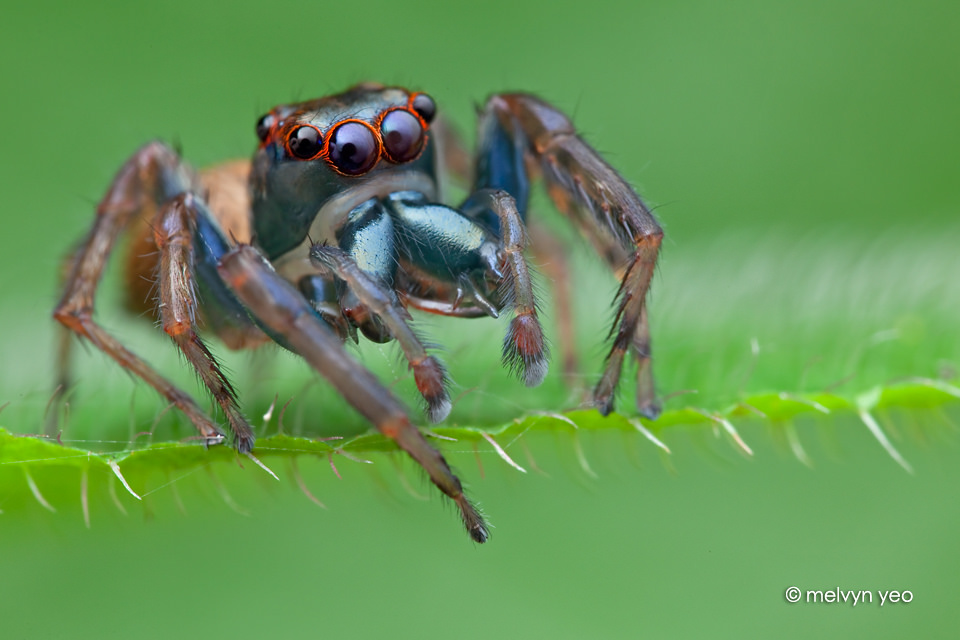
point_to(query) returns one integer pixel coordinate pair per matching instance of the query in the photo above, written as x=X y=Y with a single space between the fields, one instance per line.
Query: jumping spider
x=334 y=227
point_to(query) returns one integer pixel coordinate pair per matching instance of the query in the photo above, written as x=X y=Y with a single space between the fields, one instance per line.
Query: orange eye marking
x=421 y=143
x=423 y=105
x=375 y=130
x=298 y=141
x=413 y=96
x=342 y=164
x=272 y=135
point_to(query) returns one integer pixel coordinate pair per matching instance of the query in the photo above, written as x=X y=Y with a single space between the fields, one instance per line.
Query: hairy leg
x=153 y=174
x=524 y=347
x=519 y=131
x=174 y=235
x=275 y=303
x=380 y=300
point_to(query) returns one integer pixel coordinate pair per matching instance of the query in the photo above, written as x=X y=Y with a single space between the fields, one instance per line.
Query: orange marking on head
x=238 y=280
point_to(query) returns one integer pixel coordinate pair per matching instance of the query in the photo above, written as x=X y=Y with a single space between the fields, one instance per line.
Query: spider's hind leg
x=520 y=132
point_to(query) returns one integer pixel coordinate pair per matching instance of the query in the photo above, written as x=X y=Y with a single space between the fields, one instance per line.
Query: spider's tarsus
x=650 y=409
x=479 y=534
x=244 y=443
x=437 y=411
x=604 y=404
x=472 y=520
x=535 y=371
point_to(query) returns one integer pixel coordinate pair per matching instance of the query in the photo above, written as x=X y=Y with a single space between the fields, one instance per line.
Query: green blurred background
x=803 y=159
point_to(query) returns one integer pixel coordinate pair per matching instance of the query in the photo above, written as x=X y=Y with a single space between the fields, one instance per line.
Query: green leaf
x=27 y=461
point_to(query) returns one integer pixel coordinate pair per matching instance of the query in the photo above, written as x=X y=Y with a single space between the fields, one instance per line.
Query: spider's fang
x=482 y=301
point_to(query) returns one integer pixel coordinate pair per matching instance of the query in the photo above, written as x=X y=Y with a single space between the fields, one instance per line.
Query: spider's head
x=354 y=133
x=368 y=136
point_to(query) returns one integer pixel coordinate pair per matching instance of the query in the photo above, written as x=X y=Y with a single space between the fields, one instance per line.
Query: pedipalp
x=524 y=347
x=428 y=372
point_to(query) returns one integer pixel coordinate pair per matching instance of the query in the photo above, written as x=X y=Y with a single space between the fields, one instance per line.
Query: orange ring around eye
x=297 y=127
x=375 y=153
x=423 y=135
x=412 y=98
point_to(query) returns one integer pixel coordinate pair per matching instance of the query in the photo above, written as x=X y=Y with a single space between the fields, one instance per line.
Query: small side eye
x=402 y=135
x=425 y=107
x=353 y=148
x=264 y=125
x=304 y=142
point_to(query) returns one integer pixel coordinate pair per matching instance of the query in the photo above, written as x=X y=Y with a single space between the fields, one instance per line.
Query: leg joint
x=74 y=319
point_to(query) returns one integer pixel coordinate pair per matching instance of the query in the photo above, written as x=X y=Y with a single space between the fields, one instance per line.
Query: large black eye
x=353 y=148
x=304 y=142
x=402 y=135
x=425 y=106
x=264 y=124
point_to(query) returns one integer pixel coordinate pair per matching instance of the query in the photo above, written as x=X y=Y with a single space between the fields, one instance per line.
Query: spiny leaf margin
x=36 y=455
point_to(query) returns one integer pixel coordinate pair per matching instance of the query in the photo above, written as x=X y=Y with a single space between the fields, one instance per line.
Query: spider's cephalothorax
x=335 y=226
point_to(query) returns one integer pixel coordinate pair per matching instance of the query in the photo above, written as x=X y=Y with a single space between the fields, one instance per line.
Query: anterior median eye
x=304 y=142
x=402 y=135
x=353 y=148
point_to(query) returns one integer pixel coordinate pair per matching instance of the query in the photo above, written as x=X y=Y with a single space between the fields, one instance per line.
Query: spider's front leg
x=288 y=315
x=519 y=131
